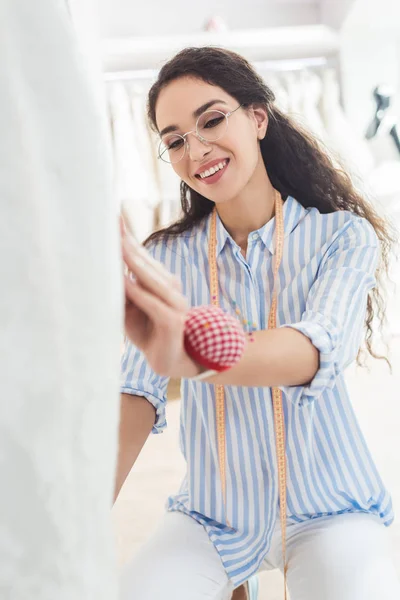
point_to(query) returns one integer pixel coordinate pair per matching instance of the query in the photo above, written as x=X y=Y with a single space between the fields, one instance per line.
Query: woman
x=275 y=193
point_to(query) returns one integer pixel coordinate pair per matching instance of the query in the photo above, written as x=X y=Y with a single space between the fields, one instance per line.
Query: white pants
x=344 y=557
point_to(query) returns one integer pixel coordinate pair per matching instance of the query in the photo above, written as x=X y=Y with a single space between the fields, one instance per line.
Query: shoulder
x=341 y=228
x=353 y=231
x=352 y=243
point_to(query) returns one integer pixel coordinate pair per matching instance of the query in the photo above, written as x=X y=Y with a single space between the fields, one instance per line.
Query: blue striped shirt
x=327 y=270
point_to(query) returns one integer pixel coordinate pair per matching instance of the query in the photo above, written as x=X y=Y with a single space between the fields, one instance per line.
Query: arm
x=276 y=357
x=137 y=418
x=306 y=357
x=143 y=391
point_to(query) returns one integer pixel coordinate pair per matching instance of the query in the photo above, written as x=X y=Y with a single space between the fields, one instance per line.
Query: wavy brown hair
x=296 y=162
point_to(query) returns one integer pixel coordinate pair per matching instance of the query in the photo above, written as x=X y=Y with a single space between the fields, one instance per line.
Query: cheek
x=242 y=142
x=180 y=170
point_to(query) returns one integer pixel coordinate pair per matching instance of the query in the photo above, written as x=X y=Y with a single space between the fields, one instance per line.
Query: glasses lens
x=212 y=125
x=172 y=148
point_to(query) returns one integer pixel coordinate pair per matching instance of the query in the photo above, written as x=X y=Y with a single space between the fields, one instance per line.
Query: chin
x=224 y=195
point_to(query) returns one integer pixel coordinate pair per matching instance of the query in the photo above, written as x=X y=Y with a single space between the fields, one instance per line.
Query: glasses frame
x=195 y=132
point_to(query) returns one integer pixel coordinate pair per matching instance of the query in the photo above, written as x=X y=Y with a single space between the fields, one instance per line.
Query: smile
x=214 y=173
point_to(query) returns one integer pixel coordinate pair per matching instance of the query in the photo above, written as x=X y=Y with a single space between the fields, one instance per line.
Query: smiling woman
x=277 y=236
x=218 y=131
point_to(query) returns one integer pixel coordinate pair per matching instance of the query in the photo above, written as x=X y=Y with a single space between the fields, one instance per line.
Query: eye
x=174 y=142
x=213 y=122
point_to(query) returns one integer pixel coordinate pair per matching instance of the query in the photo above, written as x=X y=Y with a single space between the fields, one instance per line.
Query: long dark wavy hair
x=297 y=163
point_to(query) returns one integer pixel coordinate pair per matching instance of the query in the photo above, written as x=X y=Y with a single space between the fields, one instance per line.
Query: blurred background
x=334 y=65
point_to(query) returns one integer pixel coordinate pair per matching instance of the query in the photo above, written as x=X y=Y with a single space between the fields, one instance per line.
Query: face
x=236 y=156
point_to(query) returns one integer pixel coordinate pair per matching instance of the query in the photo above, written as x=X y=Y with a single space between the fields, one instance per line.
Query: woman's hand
x=155 y=312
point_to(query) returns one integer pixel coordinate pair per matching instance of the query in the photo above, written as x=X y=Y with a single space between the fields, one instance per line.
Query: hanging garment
x=150 y=203
x=281 y=95
x=60 y=314
x=294 y=94
x=341 y=137
x=133 y=182
x=170 y=208
x=311 y=88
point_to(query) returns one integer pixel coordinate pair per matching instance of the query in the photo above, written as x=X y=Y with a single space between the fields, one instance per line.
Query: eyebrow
x=196 y=115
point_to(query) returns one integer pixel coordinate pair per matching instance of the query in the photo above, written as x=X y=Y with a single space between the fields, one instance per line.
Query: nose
x=198 y=148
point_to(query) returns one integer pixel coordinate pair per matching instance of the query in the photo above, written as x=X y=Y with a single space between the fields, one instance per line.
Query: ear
x=260 y=116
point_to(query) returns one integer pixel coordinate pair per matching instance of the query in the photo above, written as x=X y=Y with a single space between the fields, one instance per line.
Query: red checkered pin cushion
x=213 y=339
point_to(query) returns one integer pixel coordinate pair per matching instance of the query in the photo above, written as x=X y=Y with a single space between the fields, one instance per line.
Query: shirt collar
x=293 y=212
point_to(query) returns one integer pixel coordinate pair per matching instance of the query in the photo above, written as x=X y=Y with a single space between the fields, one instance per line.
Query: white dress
x=341 y=138
x=60 y=315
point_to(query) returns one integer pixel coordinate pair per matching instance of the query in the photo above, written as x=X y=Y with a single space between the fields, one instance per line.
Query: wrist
x=203 y=373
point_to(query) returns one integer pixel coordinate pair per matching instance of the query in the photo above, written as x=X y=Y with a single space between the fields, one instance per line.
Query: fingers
x=122 y=227
x=130 y=243
x=135 y=249
x=125 y=224
x=159 y=312
x=152 y=276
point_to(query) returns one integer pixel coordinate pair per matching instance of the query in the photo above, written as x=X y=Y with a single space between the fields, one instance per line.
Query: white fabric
x=60 y=312
x=345 y=557
x=134 y=179
x=281 y=95
x=352 y=149
x=147 y=149
x=311 y=87
x=170 y=209
x=295 y=92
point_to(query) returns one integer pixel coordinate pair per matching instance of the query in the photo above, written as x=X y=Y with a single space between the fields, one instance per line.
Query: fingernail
x=130 y=277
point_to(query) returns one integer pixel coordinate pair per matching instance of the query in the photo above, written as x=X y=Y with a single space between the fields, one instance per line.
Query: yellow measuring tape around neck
x=279 y=421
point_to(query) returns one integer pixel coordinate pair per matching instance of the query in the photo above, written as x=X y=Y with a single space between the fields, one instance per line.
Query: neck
x=250 y=211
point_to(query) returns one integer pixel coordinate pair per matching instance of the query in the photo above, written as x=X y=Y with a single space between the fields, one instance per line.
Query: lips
x=213 y=175
x=210 y=165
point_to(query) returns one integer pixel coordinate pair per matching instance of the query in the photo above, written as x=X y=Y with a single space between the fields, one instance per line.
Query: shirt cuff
x=323 y=335
x=160 y=422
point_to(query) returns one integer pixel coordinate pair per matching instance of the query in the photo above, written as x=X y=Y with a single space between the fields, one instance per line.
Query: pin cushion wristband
x=213 y=339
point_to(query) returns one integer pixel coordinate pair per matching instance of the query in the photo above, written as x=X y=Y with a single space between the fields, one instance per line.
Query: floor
x=158 y=471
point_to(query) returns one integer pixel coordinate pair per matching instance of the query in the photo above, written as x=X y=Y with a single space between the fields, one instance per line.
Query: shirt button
x=254 y=236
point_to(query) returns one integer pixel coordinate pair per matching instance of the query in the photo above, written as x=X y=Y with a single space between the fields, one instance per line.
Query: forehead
x=180 y=98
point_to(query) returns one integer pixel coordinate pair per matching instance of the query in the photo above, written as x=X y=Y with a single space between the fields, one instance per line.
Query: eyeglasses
x=210 y=127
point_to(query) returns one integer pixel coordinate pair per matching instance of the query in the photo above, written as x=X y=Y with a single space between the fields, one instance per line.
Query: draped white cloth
x=60 y=314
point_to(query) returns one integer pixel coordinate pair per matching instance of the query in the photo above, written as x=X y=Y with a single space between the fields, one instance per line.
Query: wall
x=121 y=17
x=334 y=12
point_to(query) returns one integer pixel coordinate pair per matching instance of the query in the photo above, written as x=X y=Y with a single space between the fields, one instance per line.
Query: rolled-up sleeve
x=138 y=379
x=336 y=306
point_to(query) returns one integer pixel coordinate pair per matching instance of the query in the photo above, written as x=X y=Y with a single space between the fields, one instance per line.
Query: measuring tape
x=279 y=420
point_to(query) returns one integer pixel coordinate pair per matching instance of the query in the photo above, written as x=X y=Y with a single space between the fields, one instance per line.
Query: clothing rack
x=296 y=64
x=276 y=48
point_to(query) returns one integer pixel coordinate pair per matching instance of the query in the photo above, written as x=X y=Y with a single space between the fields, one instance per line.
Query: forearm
x=276 y=357
x=136 y=421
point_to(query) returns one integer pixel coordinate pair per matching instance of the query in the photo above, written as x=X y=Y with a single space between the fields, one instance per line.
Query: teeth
x=213 y=170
